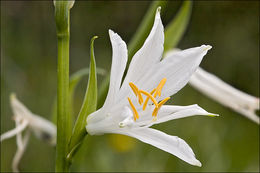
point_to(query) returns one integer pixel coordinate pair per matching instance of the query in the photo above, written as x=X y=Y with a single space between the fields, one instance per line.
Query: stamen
x=136 y=92
x=140 y=98
x=136 y=116
x=156 y=109
x=134 y=88
x=150 y=96
x=147 y=99
x=156 y=92
x=159 y=87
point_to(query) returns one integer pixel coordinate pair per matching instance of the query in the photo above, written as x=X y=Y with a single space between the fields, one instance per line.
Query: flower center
x=149 y=96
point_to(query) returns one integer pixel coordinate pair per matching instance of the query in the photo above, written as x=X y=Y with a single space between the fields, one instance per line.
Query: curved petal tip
x=213 y=115
x=111 y=32
x=197 y=163
x=12 y=96
x=205 y=47
x=158 y=10
x=204 y=112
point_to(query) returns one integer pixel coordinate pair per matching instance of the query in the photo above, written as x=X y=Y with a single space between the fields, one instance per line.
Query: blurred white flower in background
x=225 y=94
x=26 y=121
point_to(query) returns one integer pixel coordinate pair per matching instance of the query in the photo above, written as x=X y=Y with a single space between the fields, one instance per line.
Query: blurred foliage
x=28 y=68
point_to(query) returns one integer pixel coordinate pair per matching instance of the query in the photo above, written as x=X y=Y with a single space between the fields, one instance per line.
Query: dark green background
x=28 y=68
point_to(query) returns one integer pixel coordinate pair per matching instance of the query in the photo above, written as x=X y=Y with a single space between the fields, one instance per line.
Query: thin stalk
x=63 y=119
x=62 y=14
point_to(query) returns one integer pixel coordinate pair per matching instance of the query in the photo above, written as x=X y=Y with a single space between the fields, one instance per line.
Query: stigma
x=149 y=96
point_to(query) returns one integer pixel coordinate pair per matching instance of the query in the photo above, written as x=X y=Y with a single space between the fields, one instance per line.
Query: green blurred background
x=28 y=68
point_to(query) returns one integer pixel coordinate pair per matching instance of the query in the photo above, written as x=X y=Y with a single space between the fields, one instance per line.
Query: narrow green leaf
x=89 y=105
x=176 y=28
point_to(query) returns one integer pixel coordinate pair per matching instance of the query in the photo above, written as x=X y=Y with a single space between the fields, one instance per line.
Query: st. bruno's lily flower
x=227 y=95
x=133 y=107
x=26 y=121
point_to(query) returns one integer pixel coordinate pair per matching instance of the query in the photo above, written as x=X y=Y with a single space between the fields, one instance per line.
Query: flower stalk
x=62 y=18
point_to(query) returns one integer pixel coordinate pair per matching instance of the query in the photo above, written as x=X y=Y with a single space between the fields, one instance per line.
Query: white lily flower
x=217 y=89
x=27 y=121
x=126 y=112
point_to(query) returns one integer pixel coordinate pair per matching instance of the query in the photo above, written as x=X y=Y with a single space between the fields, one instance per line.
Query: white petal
x=19 y=140
x=119 y=61
x=14 y=131
x=41 y=127
x=44 y=129
x=170 y=112
x=168 y=143
x=225 y=94
x=19 y=109
x=149 y=54
x=22 y=144
x=177 y=68
x=101 y=127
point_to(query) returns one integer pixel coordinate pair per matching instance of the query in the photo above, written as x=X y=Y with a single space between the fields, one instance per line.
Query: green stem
x=63 y=117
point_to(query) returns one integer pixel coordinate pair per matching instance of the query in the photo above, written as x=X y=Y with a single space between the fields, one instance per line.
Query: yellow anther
x=147 y=99
x=156 y=109
x=134 y=88
x=136 y=116
x=163 y=101
x=140 y=98
x=150 y=97
x=159 y=87
x=152 y=91
x=155 y=112
x=136 y=92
